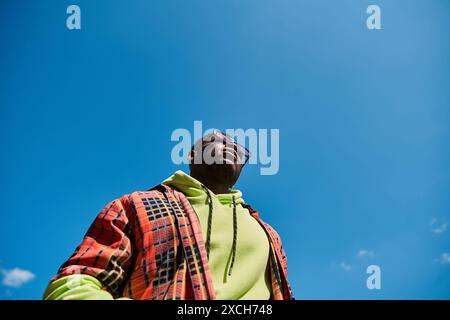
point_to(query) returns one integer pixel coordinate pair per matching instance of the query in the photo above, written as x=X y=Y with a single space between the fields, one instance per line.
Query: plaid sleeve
x=283 y=253
x=106 y=250
x=279 y=247
x=284 y=266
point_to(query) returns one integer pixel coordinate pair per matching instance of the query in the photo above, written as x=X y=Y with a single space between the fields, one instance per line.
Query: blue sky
x=86 y=116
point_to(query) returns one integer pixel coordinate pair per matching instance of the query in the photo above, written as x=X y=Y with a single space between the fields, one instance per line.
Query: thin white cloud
x=16 y=277
x=365 y=253
x=348 y=266
x=445 y=258
x=440 y=229
x=345 y=266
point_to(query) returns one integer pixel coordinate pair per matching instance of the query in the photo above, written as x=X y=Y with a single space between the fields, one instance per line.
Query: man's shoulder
x=156 y=192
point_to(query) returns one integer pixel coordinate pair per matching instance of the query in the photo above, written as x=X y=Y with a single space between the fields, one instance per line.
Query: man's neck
x=216 y=188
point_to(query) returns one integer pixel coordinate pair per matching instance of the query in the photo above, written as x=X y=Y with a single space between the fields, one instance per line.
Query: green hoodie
x=250 y=275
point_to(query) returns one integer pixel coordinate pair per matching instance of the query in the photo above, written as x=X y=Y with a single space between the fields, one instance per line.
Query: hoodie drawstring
x=233 y=250
x=208 y=233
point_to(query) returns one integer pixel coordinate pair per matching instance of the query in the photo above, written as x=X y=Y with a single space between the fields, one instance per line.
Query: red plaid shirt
x=149 y=245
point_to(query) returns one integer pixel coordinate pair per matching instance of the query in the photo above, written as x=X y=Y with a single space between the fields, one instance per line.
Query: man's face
x=220 y=160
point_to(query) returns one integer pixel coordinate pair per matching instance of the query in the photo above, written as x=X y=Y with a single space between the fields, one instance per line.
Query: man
x=190 y=237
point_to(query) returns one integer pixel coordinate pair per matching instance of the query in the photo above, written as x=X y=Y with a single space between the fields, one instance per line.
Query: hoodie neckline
x=195 y=192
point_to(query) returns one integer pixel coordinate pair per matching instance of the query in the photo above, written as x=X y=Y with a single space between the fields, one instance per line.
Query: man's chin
x=223 y=173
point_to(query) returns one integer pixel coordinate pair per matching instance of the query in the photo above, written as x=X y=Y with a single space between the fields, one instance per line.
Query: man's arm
x=101 y=263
